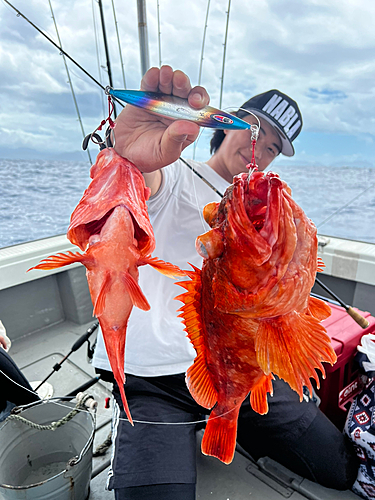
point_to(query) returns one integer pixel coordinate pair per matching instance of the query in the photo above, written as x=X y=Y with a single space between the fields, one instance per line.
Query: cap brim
x=287 y=148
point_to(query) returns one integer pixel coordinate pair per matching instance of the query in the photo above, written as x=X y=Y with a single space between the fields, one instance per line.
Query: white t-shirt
x=156 y=343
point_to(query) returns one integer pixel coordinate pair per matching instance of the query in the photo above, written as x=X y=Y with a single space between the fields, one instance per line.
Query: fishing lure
x=177 y=108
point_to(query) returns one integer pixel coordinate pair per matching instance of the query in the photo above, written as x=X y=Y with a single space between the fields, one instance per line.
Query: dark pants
x=154 y=461
x=10 y=376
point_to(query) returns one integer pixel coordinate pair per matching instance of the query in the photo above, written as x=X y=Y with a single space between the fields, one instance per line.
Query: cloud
x=320 y=53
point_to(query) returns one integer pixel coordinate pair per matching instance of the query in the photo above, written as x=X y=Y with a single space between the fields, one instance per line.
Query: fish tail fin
x=115 y=346
x=258 y=395
x=219 y=438
x=59 y=260
x=125 y=402
x=163 y=267
x=292 y=347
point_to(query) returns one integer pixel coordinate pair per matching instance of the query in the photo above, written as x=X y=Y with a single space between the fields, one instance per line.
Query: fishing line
x=19 y=13
x=99 y=412
x=197 y=201
x=201 y=176
x=346 y=205
x=97 y=52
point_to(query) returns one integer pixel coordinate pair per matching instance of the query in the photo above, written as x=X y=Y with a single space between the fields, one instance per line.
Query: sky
x=320 y=53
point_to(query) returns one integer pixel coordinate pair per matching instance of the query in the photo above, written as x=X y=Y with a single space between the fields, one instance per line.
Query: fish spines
x=321 y=265
x=198 y=377
x=58 y=260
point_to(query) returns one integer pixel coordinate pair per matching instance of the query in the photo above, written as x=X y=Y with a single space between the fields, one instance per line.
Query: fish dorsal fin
x=135 y=292
x=198 y=377
x=318 y=308
x=100 y=299
x=163 y=267
x=291 y=347
x=321 y=265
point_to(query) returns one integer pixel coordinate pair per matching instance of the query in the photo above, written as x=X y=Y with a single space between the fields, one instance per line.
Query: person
x=158 y=461
x=15 y=389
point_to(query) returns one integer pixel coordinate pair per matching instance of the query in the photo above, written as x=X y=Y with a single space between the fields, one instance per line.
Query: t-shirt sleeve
x=170 y=175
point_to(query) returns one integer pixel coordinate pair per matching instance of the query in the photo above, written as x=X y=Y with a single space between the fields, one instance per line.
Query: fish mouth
x=258 y=217
x=261 y=198
x=95 y=227
x=256 y=210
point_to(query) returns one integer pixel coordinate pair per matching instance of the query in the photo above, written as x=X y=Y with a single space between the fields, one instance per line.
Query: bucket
x=43 y=464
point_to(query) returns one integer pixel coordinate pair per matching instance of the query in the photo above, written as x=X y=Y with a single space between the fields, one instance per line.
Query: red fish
x=111 y=224
x=248 y=312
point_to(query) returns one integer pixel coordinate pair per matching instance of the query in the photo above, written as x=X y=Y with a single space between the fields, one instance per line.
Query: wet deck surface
x=243 y=479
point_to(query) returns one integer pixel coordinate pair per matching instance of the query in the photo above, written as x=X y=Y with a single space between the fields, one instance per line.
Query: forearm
x=153 y=181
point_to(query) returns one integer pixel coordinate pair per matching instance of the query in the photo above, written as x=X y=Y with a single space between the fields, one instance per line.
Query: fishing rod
x=19 y=13
x=78 y=343
x=358 y=318
x=354 y=314
x=106 y=50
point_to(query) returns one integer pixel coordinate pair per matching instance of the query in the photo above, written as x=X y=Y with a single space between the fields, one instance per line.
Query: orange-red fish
x=248 y=312
x=111 y=224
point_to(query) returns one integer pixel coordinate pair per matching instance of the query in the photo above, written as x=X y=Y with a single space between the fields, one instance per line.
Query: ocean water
x=37 y=198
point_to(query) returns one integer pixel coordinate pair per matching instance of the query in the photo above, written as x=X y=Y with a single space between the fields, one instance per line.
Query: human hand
x=152 y=141
x=4 y=343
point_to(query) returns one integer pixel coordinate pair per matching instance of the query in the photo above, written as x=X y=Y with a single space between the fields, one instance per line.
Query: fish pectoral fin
x=318 y=308
x=163 y=267
x=258 y=395
x=59 y=260
x=100 y=299
x=292 y=347
x=135 y=292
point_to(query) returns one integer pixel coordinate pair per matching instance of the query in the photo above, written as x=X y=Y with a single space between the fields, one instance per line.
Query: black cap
x=281 y=112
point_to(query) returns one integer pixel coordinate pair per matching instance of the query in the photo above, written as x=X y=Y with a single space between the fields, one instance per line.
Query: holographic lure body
x=177 y=108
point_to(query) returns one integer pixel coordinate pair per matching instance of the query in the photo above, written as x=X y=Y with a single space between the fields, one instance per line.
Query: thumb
x=176 y=138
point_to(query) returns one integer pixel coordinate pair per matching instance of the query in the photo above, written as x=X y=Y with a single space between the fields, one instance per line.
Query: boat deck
x=36 y=354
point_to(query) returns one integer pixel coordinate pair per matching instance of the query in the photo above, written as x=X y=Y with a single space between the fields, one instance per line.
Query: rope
x=104 y=447
x=53 y=425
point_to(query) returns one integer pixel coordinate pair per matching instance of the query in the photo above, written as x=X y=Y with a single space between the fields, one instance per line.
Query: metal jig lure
x=177 y=108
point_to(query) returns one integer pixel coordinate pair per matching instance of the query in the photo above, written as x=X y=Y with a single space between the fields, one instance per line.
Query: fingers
x=167 y=81
x=198 y=97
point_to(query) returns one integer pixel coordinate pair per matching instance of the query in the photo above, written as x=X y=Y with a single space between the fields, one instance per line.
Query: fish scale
x=248 y=311
x=111 y=225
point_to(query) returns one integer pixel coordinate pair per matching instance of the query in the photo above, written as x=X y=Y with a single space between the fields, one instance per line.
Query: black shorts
x=14 y=386
x=294 y=433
